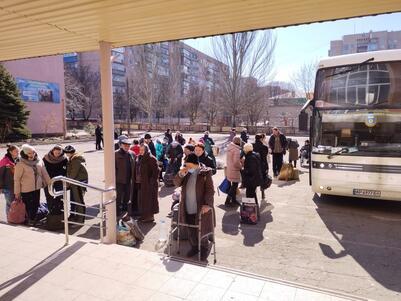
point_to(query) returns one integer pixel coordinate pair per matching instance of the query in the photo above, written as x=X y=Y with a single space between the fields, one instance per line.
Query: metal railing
x=102 y=205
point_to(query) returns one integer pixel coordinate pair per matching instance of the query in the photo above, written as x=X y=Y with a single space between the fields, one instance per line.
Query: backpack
x=208 y=147
x=17 y=212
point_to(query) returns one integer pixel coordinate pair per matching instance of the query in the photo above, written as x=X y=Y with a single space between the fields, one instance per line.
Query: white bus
x=356 y=126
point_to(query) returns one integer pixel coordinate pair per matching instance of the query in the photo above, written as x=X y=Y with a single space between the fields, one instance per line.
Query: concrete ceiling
x=30 y=28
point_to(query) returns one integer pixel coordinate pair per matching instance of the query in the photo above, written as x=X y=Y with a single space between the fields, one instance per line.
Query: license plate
x=367 y=192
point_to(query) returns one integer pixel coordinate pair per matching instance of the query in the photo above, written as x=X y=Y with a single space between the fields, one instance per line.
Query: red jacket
x=135 y=149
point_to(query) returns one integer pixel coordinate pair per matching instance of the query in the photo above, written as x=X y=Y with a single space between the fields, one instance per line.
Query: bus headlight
x=321 y=165
x=331 y=165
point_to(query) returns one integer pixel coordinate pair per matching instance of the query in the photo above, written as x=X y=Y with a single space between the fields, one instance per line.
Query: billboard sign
x=36 y=91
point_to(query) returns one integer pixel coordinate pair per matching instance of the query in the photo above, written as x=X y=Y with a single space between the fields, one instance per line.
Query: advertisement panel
x=36 y=91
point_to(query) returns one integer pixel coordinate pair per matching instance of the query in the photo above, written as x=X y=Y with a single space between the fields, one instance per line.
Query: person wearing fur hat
x=29 y=178
x=7 y=168
x=56 y=165
x=124 y=172
x=76 y=170
x=197 y=197
x=145 y=185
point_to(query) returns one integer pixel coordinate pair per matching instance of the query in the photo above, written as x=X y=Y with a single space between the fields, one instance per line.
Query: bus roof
x=356 y=58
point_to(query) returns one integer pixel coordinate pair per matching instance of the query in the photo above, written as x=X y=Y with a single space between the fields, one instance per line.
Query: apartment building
x=364 y=42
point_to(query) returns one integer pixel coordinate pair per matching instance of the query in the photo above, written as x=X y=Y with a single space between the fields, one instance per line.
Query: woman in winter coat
x=252 y=176
x=146 y=186
x=7 y=169
x=233 y=171
x=293 y=151
x=30 y=176
x=56 y=165
x=76 y=170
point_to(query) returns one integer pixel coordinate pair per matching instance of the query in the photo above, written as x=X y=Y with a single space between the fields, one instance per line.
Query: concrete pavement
x=342 y=244
x=36 y=266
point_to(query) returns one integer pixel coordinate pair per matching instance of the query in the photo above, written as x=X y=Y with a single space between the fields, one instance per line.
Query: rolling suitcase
x=249 y=211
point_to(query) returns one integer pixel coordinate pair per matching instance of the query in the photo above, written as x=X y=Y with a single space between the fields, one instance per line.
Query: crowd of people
x=23 y=175
x=141 y=166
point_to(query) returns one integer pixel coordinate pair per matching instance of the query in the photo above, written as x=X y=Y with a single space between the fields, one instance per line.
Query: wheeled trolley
x=176 y=226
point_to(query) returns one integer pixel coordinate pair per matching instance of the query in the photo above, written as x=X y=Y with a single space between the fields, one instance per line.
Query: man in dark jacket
x=263 y=151
x=197 y=198
x=244 y=135
x=204 y=158
x=99 y=137
x=278 y=145
x=124 y=171
x=252 y=173
x=76 y=170
x=151 y=145
x=169 y=137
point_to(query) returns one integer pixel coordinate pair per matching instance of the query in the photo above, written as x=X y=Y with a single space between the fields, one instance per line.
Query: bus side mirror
x=303 y=121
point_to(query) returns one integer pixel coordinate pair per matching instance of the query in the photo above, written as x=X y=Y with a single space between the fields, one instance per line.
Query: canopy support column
x=108 y=135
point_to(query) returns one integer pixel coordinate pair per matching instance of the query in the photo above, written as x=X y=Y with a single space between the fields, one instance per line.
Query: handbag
x=267 y=182
x=225 y=186
x=124 y=235
x=17 y=212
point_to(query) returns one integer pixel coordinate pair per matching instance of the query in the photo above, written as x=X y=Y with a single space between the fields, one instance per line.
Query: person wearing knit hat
x=30 y=177
x=149 y=142
x=76 y=170
x=197 y=197
x=56 y=165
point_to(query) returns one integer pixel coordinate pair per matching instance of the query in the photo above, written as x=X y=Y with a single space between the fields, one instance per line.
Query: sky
x=301 y=44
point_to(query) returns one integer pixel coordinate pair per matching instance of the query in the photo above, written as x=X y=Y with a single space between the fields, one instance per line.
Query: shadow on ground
x=37 y=272
x=372 y=240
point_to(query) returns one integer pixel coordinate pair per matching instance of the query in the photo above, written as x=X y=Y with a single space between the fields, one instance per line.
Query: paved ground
x=349 y=245
x=47 y=270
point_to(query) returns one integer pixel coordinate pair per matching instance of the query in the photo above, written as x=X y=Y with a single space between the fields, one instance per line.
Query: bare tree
x=254 y=96
x=304 y=77
x=82 y=90
x=145 y=79
x=246 y=54
x=174 y=93
x=194 y=101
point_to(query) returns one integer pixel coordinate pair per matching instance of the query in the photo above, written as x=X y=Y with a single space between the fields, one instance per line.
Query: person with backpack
x=277 y=145
x=7 y=169
x=197 y=198
x=204 y=158
x=263 y=151
x=179 y=138
x=76 y=170
x=29 y=178
x=124 y=172
x=56 y=165
x=293 y=151
x=169 y=137
x=174 y=153
x=233 y=171
x=252 y=176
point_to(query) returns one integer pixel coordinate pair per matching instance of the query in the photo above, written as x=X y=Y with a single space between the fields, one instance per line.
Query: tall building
x=364 y=42
x=166 y=60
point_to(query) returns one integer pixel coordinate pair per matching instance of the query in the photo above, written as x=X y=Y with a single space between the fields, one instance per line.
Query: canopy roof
x=31 y=28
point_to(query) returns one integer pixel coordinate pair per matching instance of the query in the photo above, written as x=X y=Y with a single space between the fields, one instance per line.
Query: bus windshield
x=358 y=132
x=363 y=85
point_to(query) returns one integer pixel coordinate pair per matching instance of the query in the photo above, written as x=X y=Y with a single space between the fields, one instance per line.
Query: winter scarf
x=32 y=163
x=49 y=157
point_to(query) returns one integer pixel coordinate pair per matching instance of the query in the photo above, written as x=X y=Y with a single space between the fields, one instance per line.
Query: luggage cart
x=176 y=226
